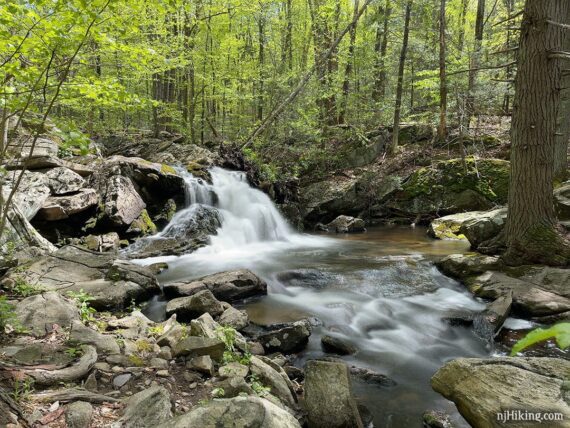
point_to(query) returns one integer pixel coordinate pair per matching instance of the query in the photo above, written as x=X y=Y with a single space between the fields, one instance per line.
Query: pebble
x=163 y=373
x=121 y=380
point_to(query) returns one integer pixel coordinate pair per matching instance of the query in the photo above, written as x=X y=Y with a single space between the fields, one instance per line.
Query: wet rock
x=337 y=345
x=482 y=389
x=148 y=408
x=234 y=318
x=313 y=278
x=273 y=377
x=227 y=286
x=286 y=338
x=202 y=364
x=122 y=202
x=328 y=396
x=435 y=419
x=346 y=224
x=194 y=346
x=187 y=308
x=464 y=265
x=78 y=414
x=459 y=318
x=370 y=376
x=63 y=180
x=484 y=227
x=62 y=207
x=189 y=232
x=489 y=322
x=142 y=225
x=41 y=312
x=105 y=344
x=252 y=412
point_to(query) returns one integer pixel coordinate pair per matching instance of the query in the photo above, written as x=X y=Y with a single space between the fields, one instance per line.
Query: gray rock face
x=22 y=235
x=346 y=224
x=31 y=194
x=44 y=162
x=40 y=312
x=286 y=338
x=464 y=265
x=487 y=226
x=562 y=201
x=251 y=412
x=63 y=180
x=122 y=202
x=227 y=286
x=194 y=346
x=485 y=388
x=62 y=207
x=111 y=283
x=22 y=148
x=273 y=376
x=105 y=344
x=148 y=408
x=78 y=414
x=328 y=396
x=234 y=318
x=187 y=308
x=202 y=364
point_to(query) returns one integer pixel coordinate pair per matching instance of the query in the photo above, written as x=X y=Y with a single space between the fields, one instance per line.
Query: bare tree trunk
x=475 y=62
x=381 y=47
x=348 y=68
x=563 y=120
x=400 y=85
x=261 y=63
x=462 y=21
x=530 y=231
x=442 y=128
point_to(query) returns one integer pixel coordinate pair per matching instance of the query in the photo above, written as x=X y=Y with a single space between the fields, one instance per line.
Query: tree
x=475 y=62
x=400 y=84
x=442 y=128
x=531 y=229
x=380 y=50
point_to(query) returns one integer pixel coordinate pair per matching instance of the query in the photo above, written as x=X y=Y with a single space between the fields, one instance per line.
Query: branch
x=559 y=55
x=516 y=15
x=558 y=24
x=494 y=67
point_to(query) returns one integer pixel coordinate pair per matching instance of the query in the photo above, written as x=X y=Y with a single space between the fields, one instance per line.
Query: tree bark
x=563 y=120
x=442 y=128
x=530 y=231
x=380 y=48
x=475 y=62
x=400 y=84
x=348 y=68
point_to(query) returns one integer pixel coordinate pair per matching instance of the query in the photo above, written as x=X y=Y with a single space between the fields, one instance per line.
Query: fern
x=560 y=332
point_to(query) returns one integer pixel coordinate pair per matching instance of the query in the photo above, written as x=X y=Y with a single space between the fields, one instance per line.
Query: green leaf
x=560 y=332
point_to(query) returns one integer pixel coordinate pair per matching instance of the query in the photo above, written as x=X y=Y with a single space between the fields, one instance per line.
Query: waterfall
x=247 y=214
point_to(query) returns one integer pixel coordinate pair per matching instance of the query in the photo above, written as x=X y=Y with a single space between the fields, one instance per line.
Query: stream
x=378 y=290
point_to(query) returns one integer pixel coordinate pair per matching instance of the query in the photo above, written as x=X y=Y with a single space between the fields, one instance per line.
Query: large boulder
x=63 y=180
x=41 y=312
x=64 y=206
x=485 y=227
x=194 y=346
x=346 y=224
x=274 y=377
x=32 y=191
x=104 y=343
x=122 y=202
x=111 y=283
x=227 y=286
x=148 y=408
x=448 y=227
x=21 y=148
x=462 y=266
x=484 y=389
x=21 y=235
x=187 y=308
x=251 y=412
x=285 y=337
x=328 y=396
x=452 y=186
x=189 y=230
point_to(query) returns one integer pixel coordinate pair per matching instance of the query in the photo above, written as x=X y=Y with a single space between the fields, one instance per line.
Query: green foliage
x=74 y=352
x=257 y=386
x=74 y=141
x=85 y=310
x=231 y=354
x=218 y=393
x=22 y=389
x=24 y=289
x=559 y=332
x=8 y=318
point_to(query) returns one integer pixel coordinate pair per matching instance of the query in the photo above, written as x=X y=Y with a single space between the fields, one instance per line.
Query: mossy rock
x=453 y=186
x=143 y=225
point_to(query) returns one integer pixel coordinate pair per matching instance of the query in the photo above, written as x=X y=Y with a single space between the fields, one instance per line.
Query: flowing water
x=378 y=290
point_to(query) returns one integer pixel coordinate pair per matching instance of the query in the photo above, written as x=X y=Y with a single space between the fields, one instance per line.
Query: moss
x=136 y=360
x=143 y=345
x=143 y=225
x=167 y=169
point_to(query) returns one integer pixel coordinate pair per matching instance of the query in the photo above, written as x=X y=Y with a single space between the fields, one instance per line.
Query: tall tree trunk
x=531 y=233
x=348 y=68
x=261 y=63
x=475 y=62
x=380 y=49
x=442 y=128
x=563 y=120
x=287 y=48
x=462 y=21
x=400 y=84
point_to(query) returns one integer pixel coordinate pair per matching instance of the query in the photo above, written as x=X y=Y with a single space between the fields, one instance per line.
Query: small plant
x=133 y=306
x=25 y=289
x=218 y=392
x=143 y=346
x=85 y=310
x=260 y=389
x=136 y=360
x=74 y=352
x=156 y=330
x=22 y=389
x=559 y=332
x=8 y=320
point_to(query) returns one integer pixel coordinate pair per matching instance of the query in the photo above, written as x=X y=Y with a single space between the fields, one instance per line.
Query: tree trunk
x=475 y=62
x=530 y=231
x=400 y=85
x=348 y=68
x=442 y=128
x=563 y=120
x=261 y=63
x=380 y=48
x=462 y=21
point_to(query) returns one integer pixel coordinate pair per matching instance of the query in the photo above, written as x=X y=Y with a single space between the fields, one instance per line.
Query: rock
x=434 y=419
x=445 y=188
x=286 y=338
x=20 y=234
x=142 y=225
x=234 y=318
x=233 y=370
x=122 y=202
x=227 y=286
x=121 y=380
x=22 y=148
x=172 y=333
x=197 y=224
x=72 y=373
x=485 y=227
x=62 y=207
x=111 y=283
x=148 y=408
x=187 y=308
x=370 y=376
x=234 y=386
x=483 y=389
x=63 y=180
x=202 y=364
x=337 y=345
x=562 y=201
x=44 y=162
x=102 y=243
x=41 y=312
x=273 y=377
x=105 y=344
x=158 y=363
x=31 y=194
x=462 y=266
x=489 y=322
x=78 y=414
x=346 y=224
x=251 y=412
x=328 y=396
x=448 y=227
x=194 y=346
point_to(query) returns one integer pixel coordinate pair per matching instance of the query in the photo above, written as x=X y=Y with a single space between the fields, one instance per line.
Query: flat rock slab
x=194 y=346
x=41 y=312
x=62 y=207
x=482 y=389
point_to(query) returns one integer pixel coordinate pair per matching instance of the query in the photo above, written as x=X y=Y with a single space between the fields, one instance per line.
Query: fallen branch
x=74 y=394
x=69 y=374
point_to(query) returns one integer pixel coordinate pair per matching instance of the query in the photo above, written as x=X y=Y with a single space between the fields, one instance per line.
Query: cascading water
x=378 y=291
